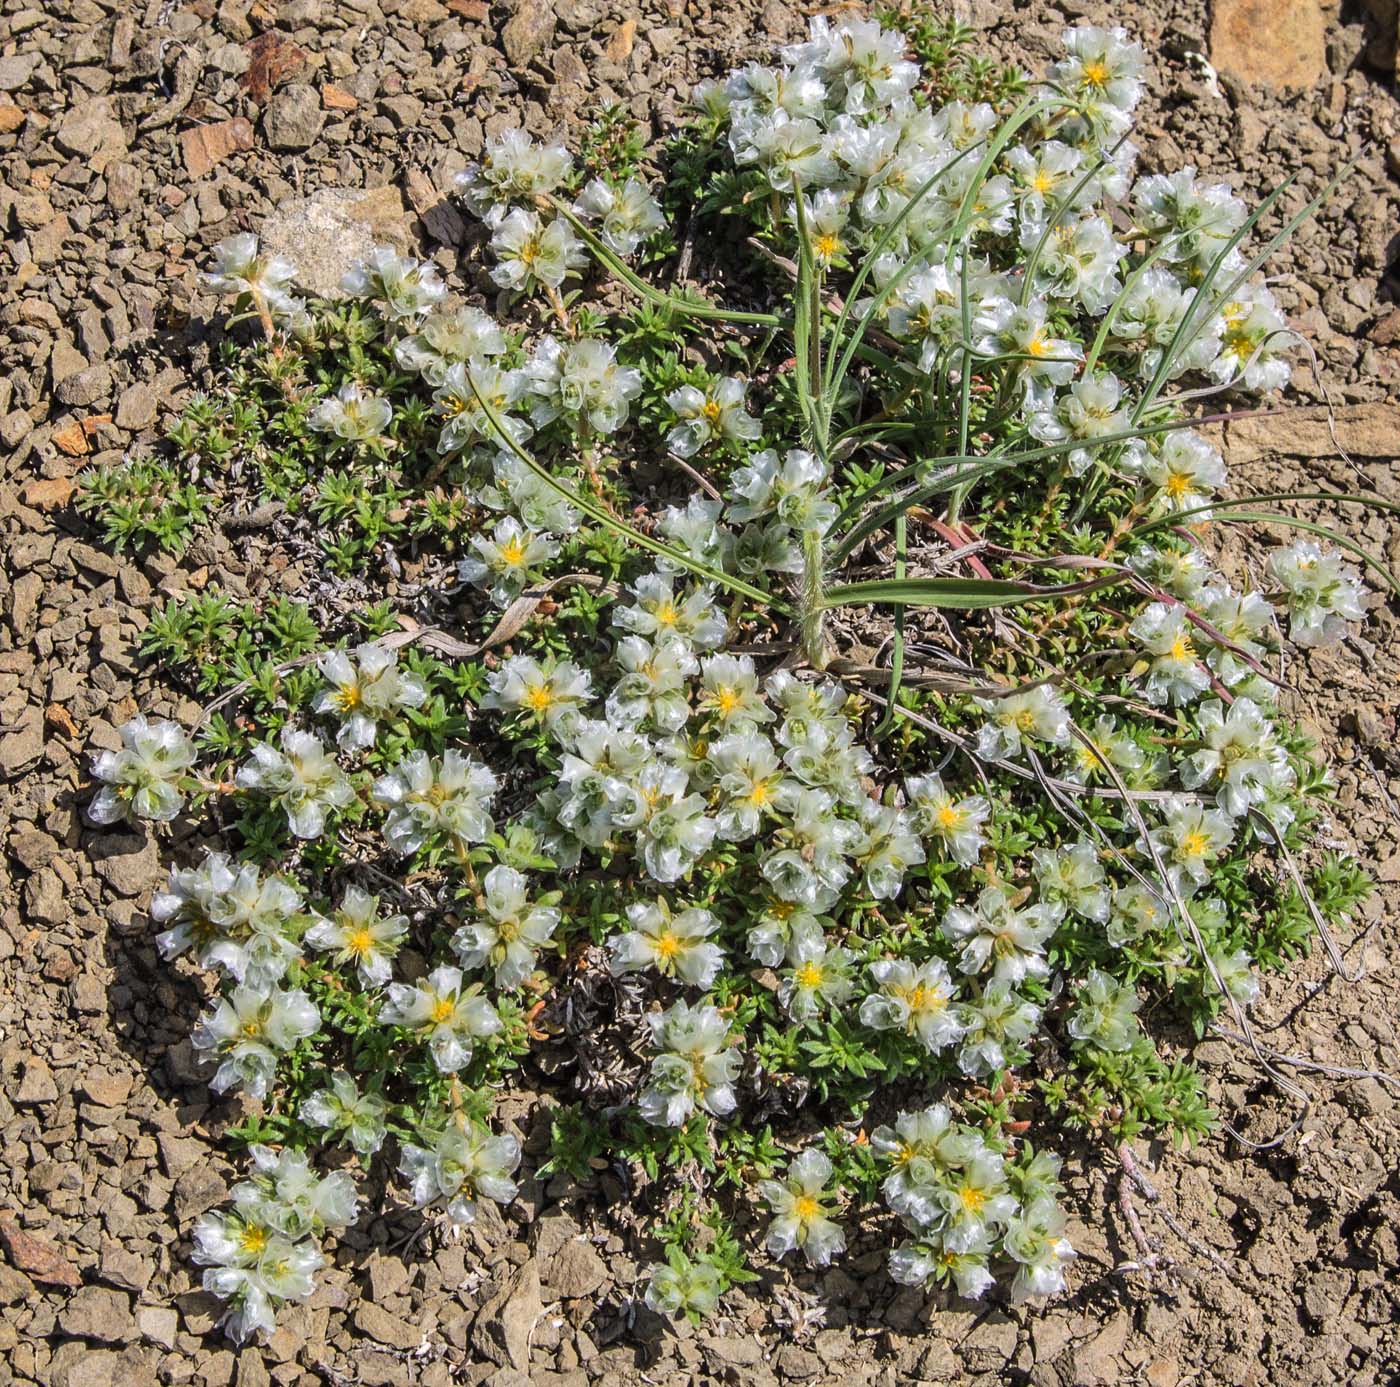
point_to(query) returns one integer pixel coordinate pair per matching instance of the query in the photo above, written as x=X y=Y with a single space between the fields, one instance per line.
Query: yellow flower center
x=252 y=1239
x=827 y=245
x=539 y=697
x=1195 y=844
x=667 y=946
x=1096 y=73
x=347 y=697
x=666 y=614
x=727 y=700
x=1240 y=343
x=513 y=551
x=711 y=411
x=1025 y=720
x=950 y=816
x=809 y=975
x=806 y=1208
x=1043 y=182
x=443 y=1009
x=1182 y=649
x=252 y=1029
x=758 y=796
x=359 y=943
x=972 y=1199
x=1177 y=485
x=1038 y=347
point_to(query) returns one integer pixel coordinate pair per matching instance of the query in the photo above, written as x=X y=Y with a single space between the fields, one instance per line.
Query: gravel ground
x=133 y=137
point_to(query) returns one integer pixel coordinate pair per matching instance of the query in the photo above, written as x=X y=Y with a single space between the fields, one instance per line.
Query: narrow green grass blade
x=963 y=594
x=886 y=724
x=621 y=270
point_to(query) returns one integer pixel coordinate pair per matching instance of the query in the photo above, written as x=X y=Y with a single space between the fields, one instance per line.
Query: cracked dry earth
x=136 y=135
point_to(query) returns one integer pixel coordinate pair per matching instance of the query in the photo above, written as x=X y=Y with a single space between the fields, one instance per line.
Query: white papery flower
x=352 y=415
x=1252 y=344
x=463 y=1164
x=955 y=822
x=625 y=216
x=583 y=382
x=458 y=402
x=232 y=918
x=1176 y=674
x=1036 y=714
x=446 y=1016
x=794 y=490
x=681 y=1286
x=1109 y=748
x=1078 y=262
x=551 y=694
x=1104 y=1014
x=1046 y=174
x=716 y=412
x=143 y=779
x=1186 y=471
x=863 y=65
x=366 y=687
x=1035 y=1239
x=447 y=338
x=1193 y=221
x=917 y=999
x=1240 y=757
x=998 y=937
x=802 y=1206
x=1189 y=841
x=998 y=1022
x=751 y=782
x=1102 y=71
x=1072 y=878
x=239 y=268
x=401 y=287
x=1043 y=362
x=425 y=796
x=342 y=1108
x=674 y=943
x=671 y=826
x=791 y=151
x=813 y=867
x=654 y=685
x=511 y=930
x=249 y=1030
x=529 y=253
x=254 y=1268
x=1091 y=409
x=506 y=560
x=658 y=612
x=696 y=1067
x=1323 y=592
x=300 y=777
x=818 y=976
x=357 y=933
x=886 y=849
x=513 y=168
x=1150 y=314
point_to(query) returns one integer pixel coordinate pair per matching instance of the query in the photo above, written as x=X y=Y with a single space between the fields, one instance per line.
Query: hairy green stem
x=811 y=603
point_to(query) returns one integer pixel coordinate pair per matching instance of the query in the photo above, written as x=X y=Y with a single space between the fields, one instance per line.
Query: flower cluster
x=968 y=1206
x=263 y=1251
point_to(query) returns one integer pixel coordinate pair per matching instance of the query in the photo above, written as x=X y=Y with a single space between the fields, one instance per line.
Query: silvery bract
x=144 y=779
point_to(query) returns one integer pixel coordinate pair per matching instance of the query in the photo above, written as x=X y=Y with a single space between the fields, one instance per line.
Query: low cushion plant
x=814 y=747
